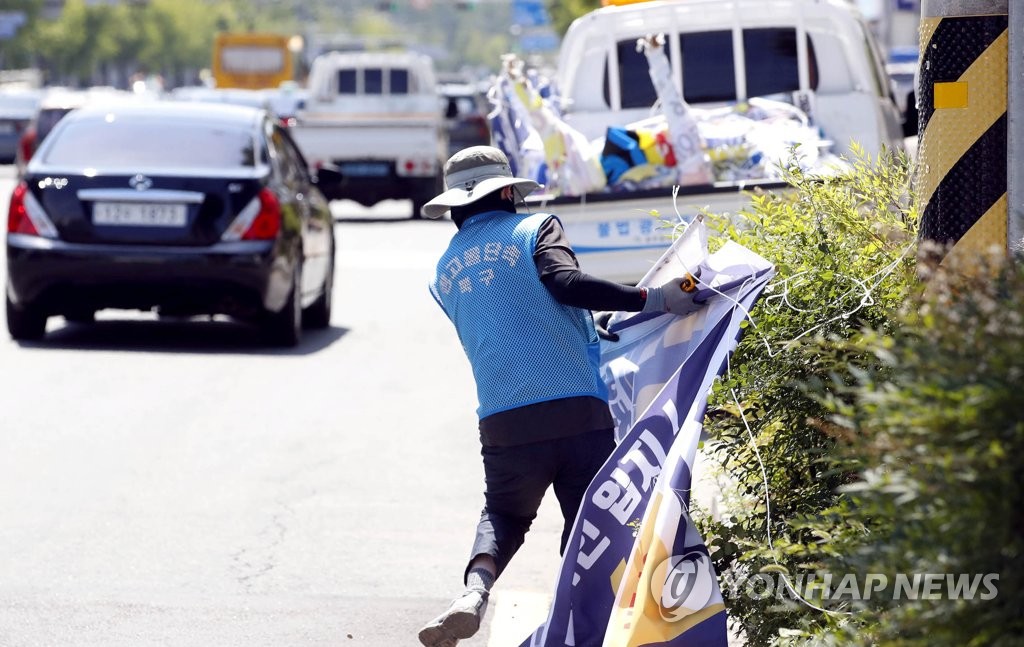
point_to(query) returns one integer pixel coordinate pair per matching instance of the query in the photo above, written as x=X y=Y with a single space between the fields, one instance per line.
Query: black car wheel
x=318 y=315
x=81 y=316
x=25 y=323
x=284 y=328
x=417 y=206
x=424 y=193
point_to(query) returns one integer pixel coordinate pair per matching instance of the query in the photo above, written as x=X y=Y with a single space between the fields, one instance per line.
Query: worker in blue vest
x=511 y=285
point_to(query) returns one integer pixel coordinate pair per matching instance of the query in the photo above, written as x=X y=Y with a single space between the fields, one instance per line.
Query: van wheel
x=424 y=193
x=284 y=328
x=25 y=323
x=417 y=208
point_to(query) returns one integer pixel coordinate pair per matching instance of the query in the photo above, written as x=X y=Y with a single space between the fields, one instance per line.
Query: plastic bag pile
x=683 y=145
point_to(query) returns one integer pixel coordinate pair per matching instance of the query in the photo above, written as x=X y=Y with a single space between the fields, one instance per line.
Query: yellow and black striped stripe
x=962 y=178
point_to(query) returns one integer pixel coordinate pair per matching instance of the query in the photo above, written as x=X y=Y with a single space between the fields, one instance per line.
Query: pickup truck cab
x=816 y=54
x=375 y=116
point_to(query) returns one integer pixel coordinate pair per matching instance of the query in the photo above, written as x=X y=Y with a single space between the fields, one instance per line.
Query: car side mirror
x=328 y=175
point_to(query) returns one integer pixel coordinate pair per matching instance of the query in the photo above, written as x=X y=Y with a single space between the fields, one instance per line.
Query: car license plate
x=366 y=169
x=139 y=214
x=6 y=127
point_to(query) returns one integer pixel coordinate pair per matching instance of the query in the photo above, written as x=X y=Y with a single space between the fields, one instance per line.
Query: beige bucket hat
x=473 y=173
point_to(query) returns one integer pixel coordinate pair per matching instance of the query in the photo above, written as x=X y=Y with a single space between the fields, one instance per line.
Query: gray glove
x=671 y=297
x=601 y=321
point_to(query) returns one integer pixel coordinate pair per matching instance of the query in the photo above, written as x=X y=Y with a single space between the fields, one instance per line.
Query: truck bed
x=616 y=237
x=330 y=137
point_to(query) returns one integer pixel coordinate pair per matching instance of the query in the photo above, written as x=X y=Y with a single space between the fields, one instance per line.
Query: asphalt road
x=177 y=483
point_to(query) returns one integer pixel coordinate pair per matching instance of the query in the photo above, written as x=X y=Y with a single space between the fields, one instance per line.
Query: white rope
x=768 y=511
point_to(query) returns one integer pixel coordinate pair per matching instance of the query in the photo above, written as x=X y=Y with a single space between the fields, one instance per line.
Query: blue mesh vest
x=523 y=345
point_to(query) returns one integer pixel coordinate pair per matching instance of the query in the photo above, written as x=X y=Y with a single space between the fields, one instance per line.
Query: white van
x=816 y=54
x=375 y=115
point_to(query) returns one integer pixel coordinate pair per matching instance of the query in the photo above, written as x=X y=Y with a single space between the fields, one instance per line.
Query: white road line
x=516 y=615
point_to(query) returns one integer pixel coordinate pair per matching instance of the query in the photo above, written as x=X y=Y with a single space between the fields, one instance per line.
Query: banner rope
x=785 y=287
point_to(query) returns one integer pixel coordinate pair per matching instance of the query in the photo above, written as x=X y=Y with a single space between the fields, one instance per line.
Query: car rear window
x=635 y=81
x=461 y=106
x=373 y=81
x=399 y=81
x=771 y=61
x=708 y=68
x=346 y=81
x=150 y=144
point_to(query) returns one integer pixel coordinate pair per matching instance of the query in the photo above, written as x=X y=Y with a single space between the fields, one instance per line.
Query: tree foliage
x=870 y=426
x=563 y=12
x=935 y=436
x=92 y=42
x=843 y=250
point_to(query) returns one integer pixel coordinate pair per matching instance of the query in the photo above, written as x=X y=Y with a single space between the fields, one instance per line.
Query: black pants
x=516 y=479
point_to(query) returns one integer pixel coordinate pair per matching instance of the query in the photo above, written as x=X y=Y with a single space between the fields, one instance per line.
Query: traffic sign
x=530 y=13
x=10 y=22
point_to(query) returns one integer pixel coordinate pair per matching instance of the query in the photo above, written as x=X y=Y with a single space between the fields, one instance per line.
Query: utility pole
x=1015 y=157
x=968 y=149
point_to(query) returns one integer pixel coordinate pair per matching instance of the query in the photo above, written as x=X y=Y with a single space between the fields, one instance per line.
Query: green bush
x=884 y=411
x=935 y=432
x=844 y=251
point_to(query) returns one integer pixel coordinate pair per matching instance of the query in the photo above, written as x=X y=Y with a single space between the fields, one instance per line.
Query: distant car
x=903 y=70
x=287 y=101
x=233 y=96
x=283 y=103
x=465 y=114
x=182 y=208
x=16 y=110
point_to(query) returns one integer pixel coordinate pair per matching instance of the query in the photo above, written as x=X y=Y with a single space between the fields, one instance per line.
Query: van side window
x=398 y=81
x=373 y=81
x=346 y=81
x=771 y=61
x=634 y=79
x=709 y=72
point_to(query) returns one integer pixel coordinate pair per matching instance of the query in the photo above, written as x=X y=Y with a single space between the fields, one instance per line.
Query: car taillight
x=260 y=219
x=483 y=130
x=405 y=167
x=18 y=221
x=267 y=223
x=26 y=216
x=27 y=144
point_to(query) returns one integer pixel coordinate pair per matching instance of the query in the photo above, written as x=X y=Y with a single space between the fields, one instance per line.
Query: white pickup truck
x=375 y=116
x=818 y=54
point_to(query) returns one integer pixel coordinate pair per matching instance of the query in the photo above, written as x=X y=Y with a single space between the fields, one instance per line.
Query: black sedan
x=180 y=208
